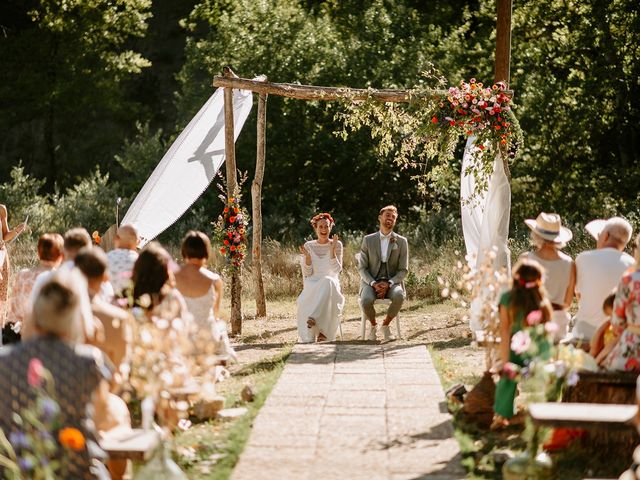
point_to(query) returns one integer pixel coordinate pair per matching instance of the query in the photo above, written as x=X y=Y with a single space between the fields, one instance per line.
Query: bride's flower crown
x=322 y=216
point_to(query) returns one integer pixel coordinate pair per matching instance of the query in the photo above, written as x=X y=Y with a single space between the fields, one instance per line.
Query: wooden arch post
x=502 y=69
x=256 y=201
x=232 y=182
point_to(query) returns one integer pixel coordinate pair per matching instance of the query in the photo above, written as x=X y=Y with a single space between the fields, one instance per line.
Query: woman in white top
x=200 y=287
x=321 y=301
x=550 y=237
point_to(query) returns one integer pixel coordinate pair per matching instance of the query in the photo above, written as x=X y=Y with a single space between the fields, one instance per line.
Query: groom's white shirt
x=384 y=245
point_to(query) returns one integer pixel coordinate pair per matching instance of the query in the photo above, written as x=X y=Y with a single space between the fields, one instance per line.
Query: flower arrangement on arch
x=474 y=109
x=231 y=232
x=422 y=133
x=33 y=449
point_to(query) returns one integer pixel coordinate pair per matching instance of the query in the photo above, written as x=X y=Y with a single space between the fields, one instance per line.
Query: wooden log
x=232 y=183
x=503 y=42
x=256 y=199
x=329 y=94
x=606 y=387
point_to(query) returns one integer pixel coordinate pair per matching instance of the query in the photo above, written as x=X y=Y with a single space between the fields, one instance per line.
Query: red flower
x=434 y=119
x=226 y=242
x=226 y=210
x=232 y=219
x=452 y=123
x=223 y=251
x=232 y=248
x=481 y=147
x=632 y=364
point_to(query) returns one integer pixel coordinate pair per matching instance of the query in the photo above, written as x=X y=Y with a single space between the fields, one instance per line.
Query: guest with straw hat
x=549 y=237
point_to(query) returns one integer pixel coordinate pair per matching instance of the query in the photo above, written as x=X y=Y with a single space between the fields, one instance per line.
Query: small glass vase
x=526 y=467
x=161 y=466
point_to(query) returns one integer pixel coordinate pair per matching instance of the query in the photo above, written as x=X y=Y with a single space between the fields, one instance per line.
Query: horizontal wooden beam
x=329 y=94
x=311 y=92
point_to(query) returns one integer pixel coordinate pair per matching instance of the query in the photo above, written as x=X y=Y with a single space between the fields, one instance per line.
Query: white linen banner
x=485 y=219
x=188 y=167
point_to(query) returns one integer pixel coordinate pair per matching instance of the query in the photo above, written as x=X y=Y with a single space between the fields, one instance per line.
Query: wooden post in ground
x=256 y=199
x=502 y=70
x=232 y=182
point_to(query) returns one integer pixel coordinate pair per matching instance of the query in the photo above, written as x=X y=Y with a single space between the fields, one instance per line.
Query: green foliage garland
x=430 y=125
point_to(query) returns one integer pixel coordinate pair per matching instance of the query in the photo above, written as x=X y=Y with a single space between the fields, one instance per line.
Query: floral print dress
x=625 y=319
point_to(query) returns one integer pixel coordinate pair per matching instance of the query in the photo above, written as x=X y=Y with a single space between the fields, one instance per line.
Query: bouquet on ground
x=231 y=233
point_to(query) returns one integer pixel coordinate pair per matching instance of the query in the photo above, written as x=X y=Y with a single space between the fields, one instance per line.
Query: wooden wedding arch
x=228 y=80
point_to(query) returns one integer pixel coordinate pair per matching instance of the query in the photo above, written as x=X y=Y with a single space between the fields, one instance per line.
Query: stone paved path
x=343 y=411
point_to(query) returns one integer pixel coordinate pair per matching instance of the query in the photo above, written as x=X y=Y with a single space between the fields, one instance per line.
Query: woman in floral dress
x=625 y=320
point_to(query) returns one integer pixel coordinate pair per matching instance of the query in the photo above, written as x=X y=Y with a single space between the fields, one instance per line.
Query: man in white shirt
x=383 y=265
x=122 y=258
x=598 y=273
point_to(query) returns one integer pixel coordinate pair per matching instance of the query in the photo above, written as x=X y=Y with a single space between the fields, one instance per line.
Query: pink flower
x=520 y=342
x=534 y=317
x=35 y=372
x=510 y=370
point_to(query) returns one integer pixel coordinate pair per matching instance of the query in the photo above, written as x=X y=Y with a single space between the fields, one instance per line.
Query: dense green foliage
x=77 y=92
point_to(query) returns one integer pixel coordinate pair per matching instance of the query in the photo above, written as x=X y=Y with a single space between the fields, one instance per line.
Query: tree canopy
x=88 y=83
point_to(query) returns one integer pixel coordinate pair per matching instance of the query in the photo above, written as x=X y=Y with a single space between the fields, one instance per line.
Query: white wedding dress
x=321 y=298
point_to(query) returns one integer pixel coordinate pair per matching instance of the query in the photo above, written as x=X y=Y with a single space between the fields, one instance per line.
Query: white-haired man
x=598 y=272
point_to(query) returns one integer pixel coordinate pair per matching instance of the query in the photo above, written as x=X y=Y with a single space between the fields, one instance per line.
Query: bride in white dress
x=321 y=301
x=202 y=291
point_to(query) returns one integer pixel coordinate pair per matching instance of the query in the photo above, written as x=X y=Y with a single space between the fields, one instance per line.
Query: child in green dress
x=525 y=305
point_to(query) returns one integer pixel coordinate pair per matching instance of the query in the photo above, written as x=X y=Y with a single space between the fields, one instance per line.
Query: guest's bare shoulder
x=214 y=277
x=3 y=211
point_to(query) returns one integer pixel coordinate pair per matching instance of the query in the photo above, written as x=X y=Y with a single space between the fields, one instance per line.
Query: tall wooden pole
x=502 y=70
x=503 y=42
x=256 y=199
x=232 y=182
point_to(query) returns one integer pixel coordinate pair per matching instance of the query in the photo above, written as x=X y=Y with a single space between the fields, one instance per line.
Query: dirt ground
x=439 y=326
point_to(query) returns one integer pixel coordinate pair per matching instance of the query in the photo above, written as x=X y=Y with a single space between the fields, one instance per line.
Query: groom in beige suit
x=383 y=265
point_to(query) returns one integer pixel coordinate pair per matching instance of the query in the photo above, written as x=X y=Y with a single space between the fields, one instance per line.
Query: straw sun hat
x=549 y=227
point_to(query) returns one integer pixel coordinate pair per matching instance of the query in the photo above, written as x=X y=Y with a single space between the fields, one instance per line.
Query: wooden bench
x=135 y=444
x=583 y=415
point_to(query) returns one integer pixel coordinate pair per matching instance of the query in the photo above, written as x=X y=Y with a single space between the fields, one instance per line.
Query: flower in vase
x=35 y=372
x=520 y=342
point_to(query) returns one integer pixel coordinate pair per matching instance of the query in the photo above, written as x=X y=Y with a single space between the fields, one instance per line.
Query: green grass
x=211 y=450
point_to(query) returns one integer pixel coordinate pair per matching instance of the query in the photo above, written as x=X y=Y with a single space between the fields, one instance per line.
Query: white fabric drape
x=188 y=167
x=485 y=219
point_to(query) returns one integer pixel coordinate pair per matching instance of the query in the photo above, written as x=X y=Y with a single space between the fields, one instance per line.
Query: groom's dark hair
x=389 y=207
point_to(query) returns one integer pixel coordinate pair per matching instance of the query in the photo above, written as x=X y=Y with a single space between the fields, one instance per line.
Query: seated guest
x=200 y=287
x=122 y=258
x=92 y=262
x=74 y=240
x=598 y=272
x=526 y=296
x=50 y=247
x=603 y=340
x=77 y=370
x=111 y=411
x=153 y=285
x=625 y=320
x=321 y=301
x=559 y=279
